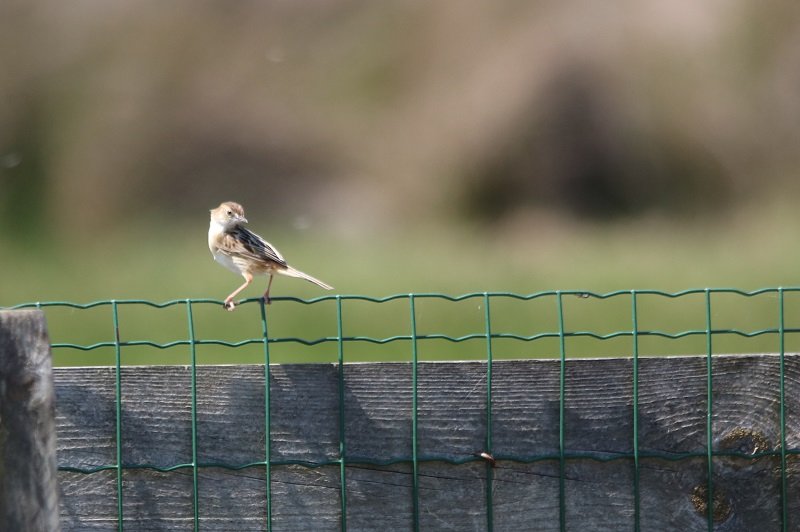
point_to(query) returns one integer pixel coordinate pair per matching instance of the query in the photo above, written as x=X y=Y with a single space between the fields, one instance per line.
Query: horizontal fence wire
x=488 y=334
x=556 y=294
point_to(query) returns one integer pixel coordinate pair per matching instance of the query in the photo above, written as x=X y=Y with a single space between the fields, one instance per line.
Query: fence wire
x=489 y=334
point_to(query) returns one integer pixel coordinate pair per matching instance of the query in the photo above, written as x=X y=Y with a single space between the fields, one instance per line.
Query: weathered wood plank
x=28 y=488
x=599 y=494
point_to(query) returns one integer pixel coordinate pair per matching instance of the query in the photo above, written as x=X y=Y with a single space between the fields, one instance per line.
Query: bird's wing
x=241 y=242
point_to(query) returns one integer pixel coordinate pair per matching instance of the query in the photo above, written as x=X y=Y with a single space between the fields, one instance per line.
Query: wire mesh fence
x=776 y=316
x=591 y=324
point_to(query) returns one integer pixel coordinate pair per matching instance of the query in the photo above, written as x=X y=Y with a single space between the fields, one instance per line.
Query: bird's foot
x=229 y=305
x=266 y=299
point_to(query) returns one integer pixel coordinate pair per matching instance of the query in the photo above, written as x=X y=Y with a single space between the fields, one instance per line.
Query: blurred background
x=399 y=147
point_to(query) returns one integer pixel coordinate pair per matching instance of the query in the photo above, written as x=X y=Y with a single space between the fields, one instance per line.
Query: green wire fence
x=488 y=335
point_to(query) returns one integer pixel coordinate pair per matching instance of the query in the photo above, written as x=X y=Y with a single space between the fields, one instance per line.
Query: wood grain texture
x=304 y=423
x=28 y=481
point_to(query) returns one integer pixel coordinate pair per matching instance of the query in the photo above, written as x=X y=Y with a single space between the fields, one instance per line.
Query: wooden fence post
x=28 y=476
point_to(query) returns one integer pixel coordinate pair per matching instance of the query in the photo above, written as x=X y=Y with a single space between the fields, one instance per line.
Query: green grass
x=752 y=251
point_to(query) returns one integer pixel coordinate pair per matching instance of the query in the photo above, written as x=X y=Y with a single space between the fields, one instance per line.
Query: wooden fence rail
x=597 y=485
x=304 y=421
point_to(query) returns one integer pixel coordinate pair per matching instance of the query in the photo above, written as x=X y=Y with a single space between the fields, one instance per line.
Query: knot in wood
x=721 y=509
x=745 y=441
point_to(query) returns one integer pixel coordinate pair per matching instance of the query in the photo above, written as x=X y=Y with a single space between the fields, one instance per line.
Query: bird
x=246 y=253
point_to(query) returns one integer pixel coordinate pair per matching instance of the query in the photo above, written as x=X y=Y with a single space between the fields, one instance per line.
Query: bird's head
x=229 y=214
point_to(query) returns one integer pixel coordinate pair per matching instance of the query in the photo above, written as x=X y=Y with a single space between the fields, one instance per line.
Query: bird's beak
x=243 y=219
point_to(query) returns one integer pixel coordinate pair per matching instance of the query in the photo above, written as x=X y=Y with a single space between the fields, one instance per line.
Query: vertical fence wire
x=636 y=494
x=267 y=420
x=342 y=441
x=193 y=389
x=562 y=502
x=782 y=397
x=118 y=409
x=709 y=413
x=414 y=413
x=489 y=464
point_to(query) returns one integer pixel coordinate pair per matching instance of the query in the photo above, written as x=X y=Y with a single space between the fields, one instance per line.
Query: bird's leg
x=229 y=305
x=266 y=294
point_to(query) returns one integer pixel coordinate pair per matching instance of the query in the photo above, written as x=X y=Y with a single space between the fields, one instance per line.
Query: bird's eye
x=230 y=213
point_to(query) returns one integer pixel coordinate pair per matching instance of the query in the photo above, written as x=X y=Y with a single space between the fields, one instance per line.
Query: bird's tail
x=291 y=272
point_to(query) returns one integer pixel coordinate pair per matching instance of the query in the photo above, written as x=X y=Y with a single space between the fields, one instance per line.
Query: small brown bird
x=244 y=252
